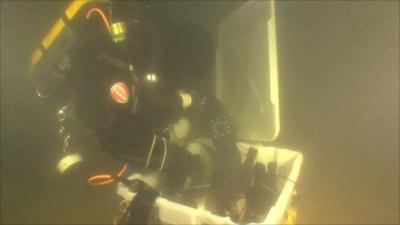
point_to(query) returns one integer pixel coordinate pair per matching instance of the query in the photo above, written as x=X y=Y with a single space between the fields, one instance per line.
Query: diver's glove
x=193 y=101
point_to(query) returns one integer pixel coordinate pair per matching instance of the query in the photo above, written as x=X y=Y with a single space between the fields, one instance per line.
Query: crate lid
x=247 y=72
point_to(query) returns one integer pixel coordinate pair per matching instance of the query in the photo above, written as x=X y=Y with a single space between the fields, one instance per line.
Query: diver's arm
x=161 y=110
x=143 y=149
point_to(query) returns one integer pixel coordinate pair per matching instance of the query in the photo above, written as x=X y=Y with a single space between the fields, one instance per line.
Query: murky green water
x=339 y=96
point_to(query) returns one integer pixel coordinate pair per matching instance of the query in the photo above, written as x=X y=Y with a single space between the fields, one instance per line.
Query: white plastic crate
x=289 y=164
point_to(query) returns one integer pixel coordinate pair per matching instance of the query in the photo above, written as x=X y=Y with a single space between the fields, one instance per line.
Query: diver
x=116 y=90
x=109 y=79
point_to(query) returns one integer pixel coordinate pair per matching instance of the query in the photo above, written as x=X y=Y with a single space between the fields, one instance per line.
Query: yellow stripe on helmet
x=58 y=27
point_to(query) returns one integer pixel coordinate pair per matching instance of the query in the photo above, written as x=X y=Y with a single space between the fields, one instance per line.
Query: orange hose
x=102 y=179
x=122 y=171
x=103 y=16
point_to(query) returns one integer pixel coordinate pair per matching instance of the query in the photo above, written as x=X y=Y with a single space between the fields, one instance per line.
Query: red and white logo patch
x=120 y=92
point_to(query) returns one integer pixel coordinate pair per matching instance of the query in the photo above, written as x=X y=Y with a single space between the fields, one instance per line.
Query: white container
x=289 y=164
